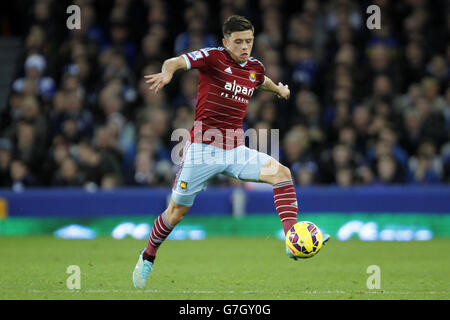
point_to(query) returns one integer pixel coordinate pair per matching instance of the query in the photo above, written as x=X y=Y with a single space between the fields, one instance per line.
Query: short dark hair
x=236 y=23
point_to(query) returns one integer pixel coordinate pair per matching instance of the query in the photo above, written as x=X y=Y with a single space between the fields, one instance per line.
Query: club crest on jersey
x=252 y=76
x=183 y=185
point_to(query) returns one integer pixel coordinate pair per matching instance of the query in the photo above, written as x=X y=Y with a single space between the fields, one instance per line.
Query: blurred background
x=369 y=109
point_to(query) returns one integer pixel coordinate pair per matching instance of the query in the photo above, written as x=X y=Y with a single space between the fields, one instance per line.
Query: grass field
x=223 y=268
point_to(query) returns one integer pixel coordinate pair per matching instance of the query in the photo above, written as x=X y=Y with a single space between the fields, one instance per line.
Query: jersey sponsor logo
x=252 y=76
x=236 y=89
x=195 y=55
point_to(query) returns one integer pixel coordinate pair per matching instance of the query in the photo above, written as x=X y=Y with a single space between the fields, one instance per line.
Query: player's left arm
x=281 y=90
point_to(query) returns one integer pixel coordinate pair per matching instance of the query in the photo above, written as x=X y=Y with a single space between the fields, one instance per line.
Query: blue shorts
x=201 y=162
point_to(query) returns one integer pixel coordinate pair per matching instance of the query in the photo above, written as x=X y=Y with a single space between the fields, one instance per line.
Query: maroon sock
x=160 y=230
x=285 y=201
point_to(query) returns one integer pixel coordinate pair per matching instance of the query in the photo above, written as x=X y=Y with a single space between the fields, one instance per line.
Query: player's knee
x=175 y=213
x=274 y=172
x=283 y=174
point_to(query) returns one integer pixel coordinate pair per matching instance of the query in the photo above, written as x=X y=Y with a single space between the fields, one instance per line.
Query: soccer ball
x=304 y=239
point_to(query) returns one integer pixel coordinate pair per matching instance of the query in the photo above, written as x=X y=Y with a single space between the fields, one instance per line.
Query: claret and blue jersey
x=224 y=90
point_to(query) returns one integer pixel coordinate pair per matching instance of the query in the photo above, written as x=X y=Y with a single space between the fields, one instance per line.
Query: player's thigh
x=247 y=164
x=194 y=175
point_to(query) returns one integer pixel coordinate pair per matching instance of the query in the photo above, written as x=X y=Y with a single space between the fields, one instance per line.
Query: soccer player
x=228 y=77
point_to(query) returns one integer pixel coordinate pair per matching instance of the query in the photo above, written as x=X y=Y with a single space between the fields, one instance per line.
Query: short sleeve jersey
x=224 y=90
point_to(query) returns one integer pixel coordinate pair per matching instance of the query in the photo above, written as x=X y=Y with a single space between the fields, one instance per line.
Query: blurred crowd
x=367 y=107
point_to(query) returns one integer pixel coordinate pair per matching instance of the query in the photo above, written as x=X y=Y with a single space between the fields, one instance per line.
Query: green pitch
x=223 y=268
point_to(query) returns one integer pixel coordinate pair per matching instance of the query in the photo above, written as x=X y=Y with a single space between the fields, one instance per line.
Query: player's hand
x=283 y=91
x=158 y=80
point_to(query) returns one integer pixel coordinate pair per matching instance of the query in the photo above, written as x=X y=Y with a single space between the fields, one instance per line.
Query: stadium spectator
x=361 y=120
x=20 y=176
x=188 y=91
x=184 y=118
x=95 y=165
x=412 y=64
x=29 y=149
x=107 y=143
x=296 y=147
x=271 y=28
x=431 y=92
x=34 y=82
x=366 y=106
x=110 y=181
x=446 y=111
x=195 y=37
x=344 y=177
x=35 y=41
x=268 y=113
x=119 y=36
x=332 y=161
x=363 y=175
x=151 y=51
x=67 y=174
x=58 y=151
x=75 y=122
x=388 y=171
x=305 y=174
x=122 y=131
x=143 y=173
x=425 y=167
x=5 y=162
x=91 y=27
x=438 y=68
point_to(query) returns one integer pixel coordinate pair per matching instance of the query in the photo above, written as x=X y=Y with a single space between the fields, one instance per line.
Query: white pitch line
x=313 y=292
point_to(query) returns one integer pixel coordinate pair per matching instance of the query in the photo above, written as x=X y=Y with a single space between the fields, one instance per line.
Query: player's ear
x=225 y=42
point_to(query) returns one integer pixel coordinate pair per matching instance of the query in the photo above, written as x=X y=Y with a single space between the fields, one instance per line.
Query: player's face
x=239 y=45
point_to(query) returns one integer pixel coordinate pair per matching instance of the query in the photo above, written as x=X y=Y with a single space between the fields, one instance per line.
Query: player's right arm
x=158 y=80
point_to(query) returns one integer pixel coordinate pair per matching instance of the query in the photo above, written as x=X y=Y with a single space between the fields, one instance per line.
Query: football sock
x=160 y=230
x=285 y=201
x=148 y=257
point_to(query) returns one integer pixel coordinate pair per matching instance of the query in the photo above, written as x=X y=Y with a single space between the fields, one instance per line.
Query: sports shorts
x=201 y=162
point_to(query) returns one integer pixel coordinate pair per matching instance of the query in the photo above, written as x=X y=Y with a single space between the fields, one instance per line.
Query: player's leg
x=162 y=227
x=273 y=172
x=191 y=179
x=252 y=165
x=284 y=196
